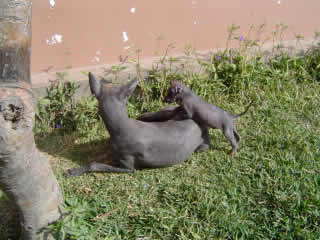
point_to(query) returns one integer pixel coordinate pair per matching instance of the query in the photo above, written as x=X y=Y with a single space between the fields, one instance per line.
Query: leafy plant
x=59 y=111
x=55 y=110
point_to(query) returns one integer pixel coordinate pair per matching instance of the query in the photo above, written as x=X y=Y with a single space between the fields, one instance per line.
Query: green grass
x=269 y=190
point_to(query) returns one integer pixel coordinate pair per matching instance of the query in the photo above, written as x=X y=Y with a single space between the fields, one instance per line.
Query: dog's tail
x=245 y=111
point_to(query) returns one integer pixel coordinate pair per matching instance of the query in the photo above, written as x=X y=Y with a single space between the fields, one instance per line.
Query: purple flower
x=58 y=125
x=241 y=38
x=217 y=58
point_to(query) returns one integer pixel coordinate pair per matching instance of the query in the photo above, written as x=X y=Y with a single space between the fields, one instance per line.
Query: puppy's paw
x=231 y=153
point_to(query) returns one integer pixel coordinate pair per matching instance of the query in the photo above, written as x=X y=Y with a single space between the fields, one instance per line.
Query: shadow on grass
x=9 y=219
x=71 y=148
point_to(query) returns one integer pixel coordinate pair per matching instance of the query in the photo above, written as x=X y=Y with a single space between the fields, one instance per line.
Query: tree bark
x=25 y=174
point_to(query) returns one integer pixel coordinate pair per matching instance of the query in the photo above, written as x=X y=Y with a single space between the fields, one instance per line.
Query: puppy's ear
x=177 y=89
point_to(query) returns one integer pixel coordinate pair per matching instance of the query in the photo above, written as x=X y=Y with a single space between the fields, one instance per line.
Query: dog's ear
x=128 y=89
x=95 y=86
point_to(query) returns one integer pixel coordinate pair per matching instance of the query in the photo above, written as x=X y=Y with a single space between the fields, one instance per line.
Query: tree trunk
x=25 y=174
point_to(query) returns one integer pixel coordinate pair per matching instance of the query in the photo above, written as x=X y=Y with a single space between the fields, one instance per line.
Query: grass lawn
x=269 y=190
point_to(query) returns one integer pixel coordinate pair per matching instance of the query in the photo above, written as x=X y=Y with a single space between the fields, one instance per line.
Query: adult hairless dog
x=138 y=144
x=205 y=114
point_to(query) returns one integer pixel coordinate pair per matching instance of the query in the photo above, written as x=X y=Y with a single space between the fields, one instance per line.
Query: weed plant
x=269 y=190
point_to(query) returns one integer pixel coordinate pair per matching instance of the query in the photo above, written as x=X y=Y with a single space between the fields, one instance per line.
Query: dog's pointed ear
x=95 y=86
x=129 y=88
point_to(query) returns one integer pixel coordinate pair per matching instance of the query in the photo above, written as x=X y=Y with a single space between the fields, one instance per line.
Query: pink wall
x=77 y=33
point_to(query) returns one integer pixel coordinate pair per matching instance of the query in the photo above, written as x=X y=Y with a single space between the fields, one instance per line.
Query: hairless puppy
x=205 y=114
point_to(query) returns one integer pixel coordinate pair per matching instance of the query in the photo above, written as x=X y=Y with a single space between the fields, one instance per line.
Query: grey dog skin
x=205 y=114
x=137 y=144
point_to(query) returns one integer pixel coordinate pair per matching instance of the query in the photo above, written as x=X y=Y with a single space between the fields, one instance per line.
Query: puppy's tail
x=245 y=111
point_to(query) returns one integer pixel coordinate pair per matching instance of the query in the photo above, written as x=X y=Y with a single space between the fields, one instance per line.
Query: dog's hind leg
x=165 y=114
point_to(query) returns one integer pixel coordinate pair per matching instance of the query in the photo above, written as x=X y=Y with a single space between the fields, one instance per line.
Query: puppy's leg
x=187 y=111
x=229 y=134
x=235 y=133
x=206 y=140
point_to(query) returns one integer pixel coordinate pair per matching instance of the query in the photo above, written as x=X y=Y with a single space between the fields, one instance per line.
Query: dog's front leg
x=206 y=139
x=96 y=167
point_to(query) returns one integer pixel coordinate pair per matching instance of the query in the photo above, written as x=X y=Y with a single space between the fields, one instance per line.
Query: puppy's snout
x=167 y=99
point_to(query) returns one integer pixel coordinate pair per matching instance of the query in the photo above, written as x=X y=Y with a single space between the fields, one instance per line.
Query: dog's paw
x=73 y=172
x=202 y=147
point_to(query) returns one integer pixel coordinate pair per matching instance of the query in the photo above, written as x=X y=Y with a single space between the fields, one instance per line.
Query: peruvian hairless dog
x=205 y=114
x=138 y=144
